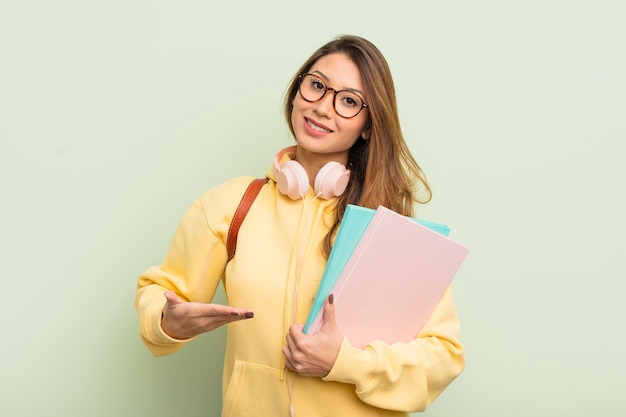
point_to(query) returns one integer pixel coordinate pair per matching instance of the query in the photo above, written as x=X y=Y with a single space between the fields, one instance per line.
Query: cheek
x=353 y=127
x=294 y=109
x=294 y=112
x=296 y=106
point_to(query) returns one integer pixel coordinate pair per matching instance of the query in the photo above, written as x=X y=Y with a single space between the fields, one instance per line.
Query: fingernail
x=331 y=298
x=234 y=313
x=249 y=315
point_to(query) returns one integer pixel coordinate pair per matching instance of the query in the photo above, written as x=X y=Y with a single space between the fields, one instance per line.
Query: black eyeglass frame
x=335 y=92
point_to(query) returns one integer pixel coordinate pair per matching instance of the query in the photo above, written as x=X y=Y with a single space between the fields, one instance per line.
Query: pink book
x=393 y=280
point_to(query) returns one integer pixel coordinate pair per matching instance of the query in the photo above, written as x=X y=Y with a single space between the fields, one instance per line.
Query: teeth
x=316 y=127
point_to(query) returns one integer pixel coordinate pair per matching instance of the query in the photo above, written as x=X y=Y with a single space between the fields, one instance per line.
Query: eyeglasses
x=346 y=103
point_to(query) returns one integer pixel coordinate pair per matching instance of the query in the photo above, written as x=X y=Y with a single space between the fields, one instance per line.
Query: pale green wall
x=115 y=115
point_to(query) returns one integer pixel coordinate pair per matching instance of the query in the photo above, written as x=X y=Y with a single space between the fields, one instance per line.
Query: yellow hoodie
x=379 y=380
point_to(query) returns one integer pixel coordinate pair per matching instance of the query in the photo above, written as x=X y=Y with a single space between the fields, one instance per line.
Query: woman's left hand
x=314 y=355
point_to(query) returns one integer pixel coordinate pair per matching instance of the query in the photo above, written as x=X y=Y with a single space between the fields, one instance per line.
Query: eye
x=349 y=100
x=317 y=84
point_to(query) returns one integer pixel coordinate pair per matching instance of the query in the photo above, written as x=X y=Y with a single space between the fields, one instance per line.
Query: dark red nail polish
x=331 y=298
x=249 y=315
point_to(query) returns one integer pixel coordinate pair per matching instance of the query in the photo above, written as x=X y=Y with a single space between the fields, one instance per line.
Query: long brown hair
x=383 y=170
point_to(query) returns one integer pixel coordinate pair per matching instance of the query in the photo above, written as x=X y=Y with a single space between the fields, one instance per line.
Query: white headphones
x=293 y=181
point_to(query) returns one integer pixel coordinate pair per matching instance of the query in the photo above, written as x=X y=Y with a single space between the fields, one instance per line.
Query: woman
x=341 y=109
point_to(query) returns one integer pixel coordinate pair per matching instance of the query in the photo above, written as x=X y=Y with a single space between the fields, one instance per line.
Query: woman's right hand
x=184 y=320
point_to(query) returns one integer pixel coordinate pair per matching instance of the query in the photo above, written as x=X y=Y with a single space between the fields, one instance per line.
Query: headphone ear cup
x=332 y=180
x=292 y=180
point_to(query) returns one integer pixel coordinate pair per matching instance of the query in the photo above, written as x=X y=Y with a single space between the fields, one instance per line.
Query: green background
x=116 y=115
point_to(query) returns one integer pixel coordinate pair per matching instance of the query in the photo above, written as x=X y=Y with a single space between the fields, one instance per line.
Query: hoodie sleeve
x=405 y=376
x=193 y=265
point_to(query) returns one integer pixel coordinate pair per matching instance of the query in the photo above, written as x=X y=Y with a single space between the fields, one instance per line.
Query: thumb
x=172 y=299
x=329 y=312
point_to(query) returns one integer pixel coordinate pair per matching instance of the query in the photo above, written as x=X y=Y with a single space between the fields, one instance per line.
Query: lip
x=314 y=132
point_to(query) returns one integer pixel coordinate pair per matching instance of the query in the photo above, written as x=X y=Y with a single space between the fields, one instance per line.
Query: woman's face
x=320 y=132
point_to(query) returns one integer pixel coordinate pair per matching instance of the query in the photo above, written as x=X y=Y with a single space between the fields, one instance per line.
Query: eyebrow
x=321 y=74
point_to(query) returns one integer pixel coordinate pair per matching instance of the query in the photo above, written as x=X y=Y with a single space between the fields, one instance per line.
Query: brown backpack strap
x=244 y=205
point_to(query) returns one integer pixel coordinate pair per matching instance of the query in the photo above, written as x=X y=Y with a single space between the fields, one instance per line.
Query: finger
x=234 y=318
x=288 y=361
x=291 y=344
x=242 y=312
x=294 y=336
x=219 y=310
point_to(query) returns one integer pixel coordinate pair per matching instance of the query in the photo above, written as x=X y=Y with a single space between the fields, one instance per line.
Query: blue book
x=355 y=221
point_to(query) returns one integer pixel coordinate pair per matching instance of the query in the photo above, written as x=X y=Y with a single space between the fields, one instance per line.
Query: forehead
x=339 y=71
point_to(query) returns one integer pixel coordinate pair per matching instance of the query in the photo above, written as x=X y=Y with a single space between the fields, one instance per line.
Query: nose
x=324 y=106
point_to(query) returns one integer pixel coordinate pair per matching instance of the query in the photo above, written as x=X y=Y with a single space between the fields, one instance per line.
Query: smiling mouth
x=316 y=127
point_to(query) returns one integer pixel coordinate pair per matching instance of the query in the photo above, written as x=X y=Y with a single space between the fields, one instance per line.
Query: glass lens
x=312 y=88
x=347 y=103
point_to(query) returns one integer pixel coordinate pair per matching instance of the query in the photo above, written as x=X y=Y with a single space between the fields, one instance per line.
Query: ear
x=367 y=130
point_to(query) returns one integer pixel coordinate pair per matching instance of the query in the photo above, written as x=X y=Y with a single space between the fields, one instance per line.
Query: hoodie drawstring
x=302 y=237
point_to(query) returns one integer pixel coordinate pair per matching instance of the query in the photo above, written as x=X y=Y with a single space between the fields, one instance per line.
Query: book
x=393 y=280
x=353 y=224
